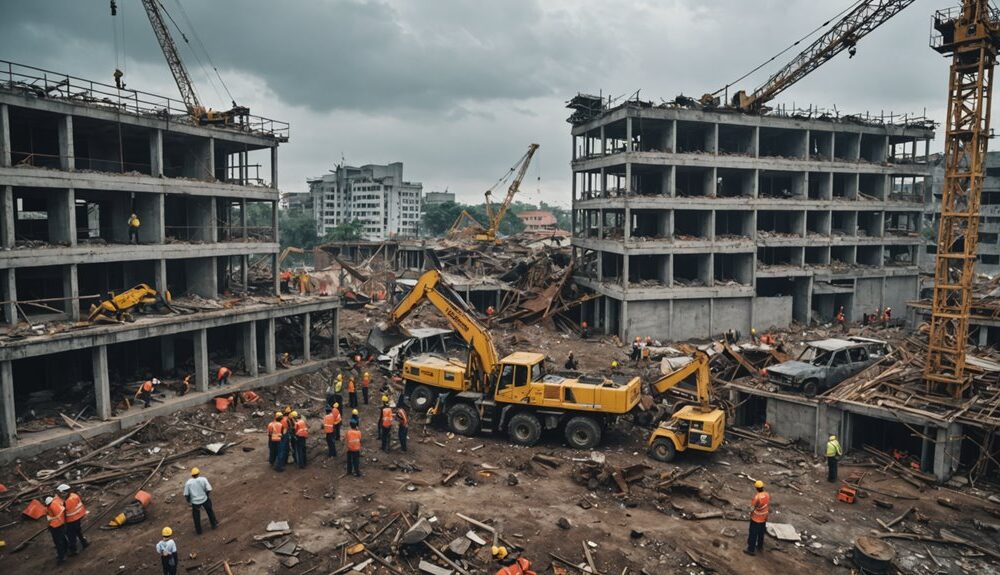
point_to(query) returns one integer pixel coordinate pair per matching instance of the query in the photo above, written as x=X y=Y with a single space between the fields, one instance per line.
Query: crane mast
x=181 y=76
x=970 y=36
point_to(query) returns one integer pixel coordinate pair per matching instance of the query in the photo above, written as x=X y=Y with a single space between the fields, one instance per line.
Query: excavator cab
x=690 y=428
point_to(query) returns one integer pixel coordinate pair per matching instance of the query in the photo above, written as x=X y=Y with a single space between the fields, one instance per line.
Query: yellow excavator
x=513 y=394
x=116 y=308
x=700 y=427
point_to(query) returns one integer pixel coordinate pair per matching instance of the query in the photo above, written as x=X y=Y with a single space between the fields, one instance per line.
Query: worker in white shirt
x=167 y=550
x=197 y=491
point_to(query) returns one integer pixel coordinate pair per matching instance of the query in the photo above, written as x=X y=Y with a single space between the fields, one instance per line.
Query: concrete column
x=201 y=217
x=604 y=142
x=167 y=361
x=628 y=134
x=250 y=347
x=211 y=159
x=160 y=275
x=8 y=419
x=245 y=272
x=200 y=340
x=61 y=216
x=8 y=293
x=156 y=153
x=67 y=157
x=623 y=332
x=628 y=178
x=5 y=159
x=306 y=337
x=625 y=258
x=243 y=218
x=6 y=217
x=270 y=360
x=274 y=221
x=149 y=208
x=102 y=383
x=274 y=167
x=71 y=291
x=628 y=223
x=948 y=448
x=202 y=277
x=277 y=275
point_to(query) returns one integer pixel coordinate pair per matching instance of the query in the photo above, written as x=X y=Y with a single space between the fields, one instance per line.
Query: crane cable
x=794 y=44
x=194 y=32
x=118 y=37
x=188 y=42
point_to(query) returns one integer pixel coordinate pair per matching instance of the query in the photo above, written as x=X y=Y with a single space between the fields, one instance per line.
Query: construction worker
x=886 y=315
x=760 y=507
x=197 y=491
x=490 y=311
x=366 y=380
x=753 y=335
x=133 y=228
x=301 y=435
x=833 y=453
x=338 y=389
x=274 y=439
x=841 y=319
x=145 y=391
x=286 y=436
x=584 y=330
x=614 y=364
x=303 y=283
x=352 y=392
x=510 y=565
x=864 y=320
x=55 y=514
x=187 y=384
x=354 y=450
x=118 y=78
x=222 y=377
x=329 y=424
x=337 y=420
x=404 y=427
x=571 y=362
x=636 y=349
x=285 y=360
x=355 y=418
x=767 y=339
x=385 y=424
x=167 y=550
x=75 y=511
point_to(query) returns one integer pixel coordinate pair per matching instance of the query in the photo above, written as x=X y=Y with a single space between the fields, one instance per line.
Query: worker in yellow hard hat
x=510 y=565
x=274 y=433
x=198 y=491
x=833 y=453
x=614 y=364
x=167 y=550
x=760 y=507
x=355 y=417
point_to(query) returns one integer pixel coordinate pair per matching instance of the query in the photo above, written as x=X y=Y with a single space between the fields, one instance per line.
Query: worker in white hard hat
x=833 y=453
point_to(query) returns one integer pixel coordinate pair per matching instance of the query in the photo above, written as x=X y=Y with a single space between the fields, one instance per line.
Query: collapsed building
x=77 y=159
x=691 y=221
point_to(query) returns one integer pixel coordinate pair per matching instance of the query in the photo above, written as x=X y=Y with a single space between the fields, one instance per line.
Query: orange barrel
x=144 y=498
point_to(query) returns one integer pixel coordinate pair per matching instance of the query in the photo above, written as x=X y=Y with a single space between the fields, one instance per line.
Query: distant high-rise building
x=434 y=198
x=375 y=195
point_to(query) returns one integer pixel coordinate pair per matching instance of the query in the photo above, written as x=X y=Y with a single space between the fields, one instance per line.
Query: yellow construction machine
x=513 y=394
x=700 y=427
x=116 y=308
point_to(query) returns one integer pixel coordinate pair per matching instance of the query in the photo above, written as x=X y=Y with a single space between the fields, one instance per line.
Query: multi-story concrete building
x=76 y=159
x=376 y=195
x=435 y=198
x=690 y=222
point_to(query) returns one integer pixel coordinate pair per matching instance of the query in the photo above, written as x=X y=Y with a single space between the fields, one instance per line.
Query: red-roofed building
x=538 y=221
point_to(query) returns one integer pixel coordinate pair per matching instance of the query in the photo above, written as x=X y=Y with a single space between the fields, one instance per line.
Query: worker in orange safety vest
x=274 y=431
x=75 y=511
x=366 y=380
x=145 y=392
x=511 y=566
x=222 y=377
x=352 y=392
x=337 y=420
x=354 y=450
x=301 y=434
x=55 y=514
x=385 y=424
x=841 y=319
x=760 y=507
x=329 y=424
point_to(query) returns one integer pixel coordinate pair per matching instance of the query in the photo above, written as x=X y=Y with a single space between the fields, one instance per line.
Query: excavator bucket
x=383 y=337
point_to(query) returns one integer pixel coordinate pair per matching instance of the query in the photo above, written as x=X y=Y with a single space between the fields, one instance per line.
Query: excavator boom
x=703 y=378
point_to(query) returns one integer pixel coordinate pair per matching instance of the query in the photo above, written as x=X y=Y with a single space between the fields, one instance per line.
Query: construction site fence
x=56 y=85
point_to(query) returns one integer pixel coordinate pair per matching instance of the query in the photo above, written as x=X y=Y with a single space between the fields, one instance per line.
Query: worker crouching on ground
x=274 y=439
x=301 y=435
x=833 y=453
x=570 y=362
x=404 y=427
x=330 y=423
x=167 y=550
x=55 y=514
x=354 y=450
x=198 y=492
x=510 y=565
x=385 y=424
x=75 y=511
x=222 y=377
x=760 y=507
x=145 y=391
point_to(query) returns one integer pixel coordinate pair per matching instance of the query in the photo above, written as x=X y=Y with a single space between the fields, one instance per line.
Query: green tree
x=344 y=232
x=438 y=218
x=297 y=229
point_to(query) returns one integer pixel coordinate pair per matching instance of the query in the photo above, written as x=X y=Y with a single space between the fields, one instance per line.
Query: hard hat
x=167 y=532
x=288 y=409
x=614 y=363
x=294 y=414
x=277 y=415
x=366 y=373
x=62 y=488
x=753 y=330
x=758 y=484
x=48 y=500
x=499 y=552
x=385 y=399
x=340 y=376
x=637 y=338
x=833 y=438
x=336 y=405
x=354 y=412
x=584 y=324
x=195 y=471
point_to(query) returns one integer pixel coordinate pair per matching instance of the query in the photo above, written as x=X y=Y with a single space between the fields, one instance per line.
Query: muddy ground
x=536 y=507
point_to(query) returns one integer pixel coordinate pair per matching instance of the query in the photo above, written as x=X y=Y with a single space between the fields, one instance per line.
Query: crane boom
x=495 y=217
x=181 y=76
x=858 y=23
x=971 y=37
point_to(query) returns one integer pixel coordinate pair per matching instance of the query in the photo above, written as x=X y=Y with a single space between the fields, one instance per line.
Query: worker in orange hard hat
x=584 y=330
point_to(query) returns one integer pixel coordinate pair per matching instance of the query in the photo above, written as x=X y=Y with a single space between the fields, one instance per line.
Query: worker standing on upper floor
x=222 y=377
x=197 y=491
x=301 y=435
x=833 y=453
x=186 y=384
x=133 y=228
x=841 y=319
x=366 y=380
x=75 y=512
x=354 y=450
x=352 y=392
x=404 y=427
x=274 y=430
x=510 y=565
x=753 y=335
x=760 y=507
x=55 y=514
x=584 y=330
x=167 y=550
x=329 y=425
x=385 y=424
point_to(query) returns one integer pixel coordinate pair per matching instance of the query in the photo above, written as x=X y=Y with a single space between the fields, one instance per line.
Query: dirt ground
x=536 y=507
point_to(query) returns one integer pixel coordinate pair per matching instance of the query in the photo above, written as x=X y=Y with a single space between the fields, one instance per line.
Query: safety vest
x=404 y=420
x=365 y=380
x=386 y=417
x=328 y=423
x=833 y=449
x=350 y=386
x=761 y=507
x=335 y=414
x=339 y=386
x=187 y=381
x=74 y=508
x=519 y=567
x=134 y=222
x=284 y=424
x=223 y=372
x=301 y=429
x=147 y=386
x=353 y=440
x=840 y=316
x=56 y=513
x=274 y=430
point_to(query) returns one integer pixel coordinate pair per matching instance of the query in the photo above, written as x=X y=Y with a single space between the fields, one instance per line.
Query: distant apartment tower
x=376 y=195
x=435 y=198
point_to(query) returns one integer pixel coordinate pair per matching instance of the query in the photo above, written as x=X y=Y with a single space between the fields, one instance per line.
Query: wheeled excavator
x=116 y=308
x=700 y=427
x=512 y=394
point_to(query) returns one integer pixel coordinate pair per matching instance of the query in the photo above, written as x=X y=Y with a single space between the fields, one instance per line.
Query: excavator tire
x=524 y=429
x=463 y=419
x=583 y=433
x=422 y=398
x=663 y=450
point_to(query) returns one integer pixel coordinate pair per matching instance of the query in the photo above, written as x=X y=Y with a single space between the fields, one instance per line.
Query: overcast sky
x=457 y=89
